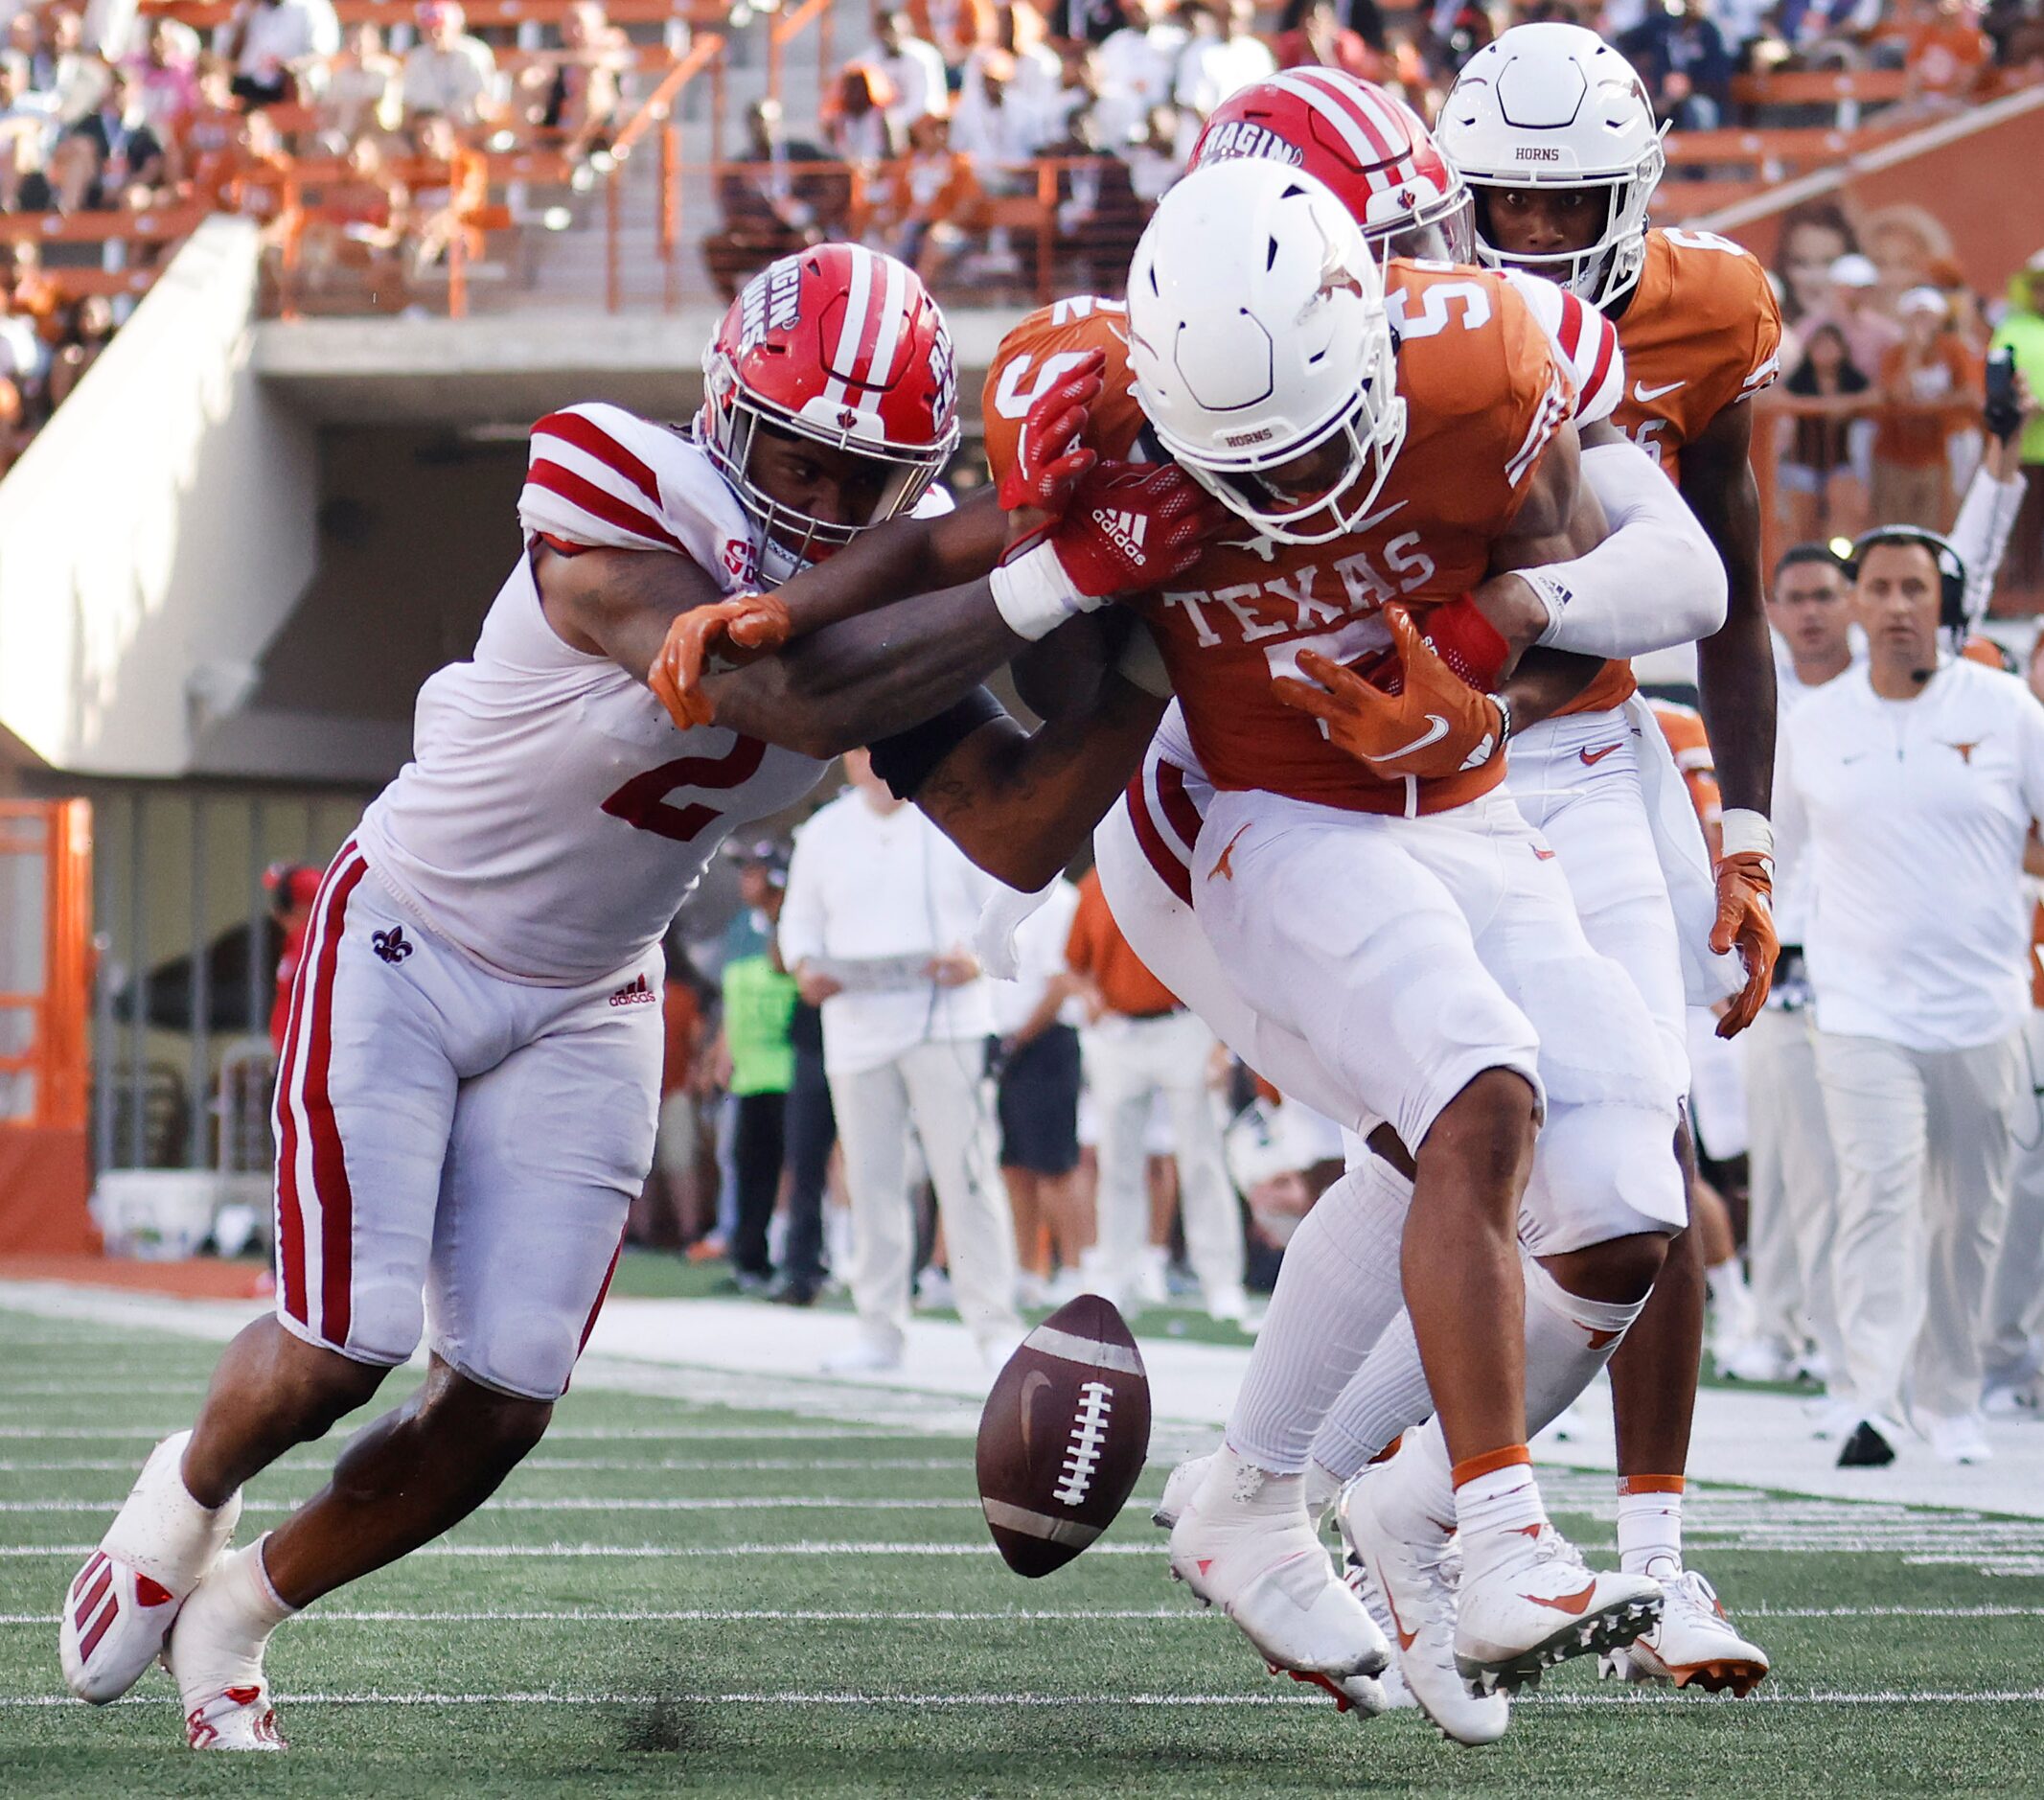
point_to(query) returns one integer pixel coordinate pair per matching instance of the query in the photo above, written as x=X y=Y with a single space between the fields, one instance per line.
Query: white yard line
x=292 y=1465
x=1895 y=1696
x=1078 y=1615
x=731 y=1503
x=665 y=1551
x=854 y=1432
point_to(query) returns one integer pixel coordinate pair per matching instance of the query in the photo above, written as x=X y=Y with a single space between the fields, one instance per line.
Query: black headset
x=1951 y=567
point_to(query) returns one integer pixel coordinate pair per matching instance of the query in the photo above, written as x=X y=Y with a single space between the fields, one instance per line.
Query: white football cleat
x=1539 y=1606
x=1397 y=1695
x=1363 y=1695
x=1274 y=1578
x=1180 y=1488
x=1693 y=1644
x=121 y=1606
x=240 y=1719
x=1415 y=1584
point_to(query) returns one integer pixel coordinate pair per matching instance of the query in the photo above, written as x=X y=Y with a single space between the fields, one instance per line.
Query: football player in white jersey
x=467 y=1096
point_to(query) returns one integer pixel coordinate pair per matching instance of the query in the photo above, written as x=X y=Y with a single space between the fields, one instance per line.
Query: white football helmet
x=1257 y=334
x=1555 y=107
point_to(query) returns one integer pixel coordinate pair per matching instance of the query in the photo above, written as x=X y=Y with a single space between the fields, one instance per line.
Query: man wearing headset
x=1913 y=778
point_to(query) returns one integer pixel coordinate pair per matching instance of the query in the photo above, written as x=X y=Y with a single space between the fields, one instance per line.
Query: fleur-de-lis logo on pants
x=391 y=945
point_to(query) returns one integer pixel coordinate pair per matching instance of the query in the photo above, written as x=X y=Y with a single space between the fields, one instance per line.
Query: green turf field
x=676 y=1598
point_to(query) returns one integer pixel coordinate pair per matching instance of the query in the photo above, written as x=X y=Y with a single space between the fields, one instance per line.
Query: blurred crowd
x=1886 y=357
x=964 y=125
x=107 y=110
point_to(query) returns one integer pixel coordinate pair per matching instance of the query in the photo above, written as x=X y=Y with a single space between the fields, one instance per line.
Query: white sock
x=161 y=1531
x=1239 y=1491
x=1498 y=1509
x=1337 y=1290
x=1650 y=1524
x=1415 y=1491
x=1568 y=1341
x=226 y=1625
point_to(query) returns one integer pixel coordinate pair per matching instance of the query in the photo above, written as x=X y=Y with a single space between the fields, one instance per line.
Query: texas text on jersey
x=536 y=765
x=1484 y=396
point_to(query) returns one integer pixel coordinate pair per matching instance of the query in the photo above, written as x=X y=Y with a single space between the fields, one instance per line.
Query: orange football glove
x=1435 y=725
x=1746 y=921
x=748 y=621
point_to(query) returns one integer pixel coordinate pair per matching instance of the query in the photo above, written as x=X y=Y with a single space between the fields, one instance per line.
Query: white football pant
x=455 y=1150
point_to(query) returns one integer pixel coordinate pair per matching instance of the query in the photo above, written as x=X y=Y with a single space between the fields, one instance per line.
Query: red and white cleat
x=119 y=1609
x=1692 y=1645
x=239 y=1720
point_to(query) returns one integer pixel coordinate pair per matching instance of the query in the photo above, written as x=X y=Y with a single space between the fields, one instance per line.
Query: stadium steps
x=551 y=269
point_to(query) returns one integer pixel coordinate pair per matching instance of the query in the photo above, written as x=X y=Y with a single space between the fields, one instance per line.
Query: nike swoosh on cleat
x=1591 y=758
x=1406 y=1639
x=1577 y=1602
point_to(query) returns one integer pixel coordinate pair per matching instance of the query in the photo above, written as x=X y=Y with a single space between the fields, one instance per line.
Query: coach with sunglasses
x=1913 y=778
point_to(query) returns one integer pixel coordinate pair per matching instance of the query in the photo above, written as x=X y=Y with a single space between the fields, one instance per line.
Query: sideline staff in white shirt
x=1793 y=1175
x=1913 y=781
x=879 y=907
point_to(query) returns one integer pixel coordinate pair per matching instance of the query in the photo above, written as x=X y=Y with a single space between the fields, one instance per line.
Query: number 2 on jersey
x=642 y=802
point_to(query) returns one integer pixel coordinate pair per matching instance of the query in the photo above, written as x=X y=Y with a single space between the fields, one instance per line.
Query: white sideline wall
x=157 y=532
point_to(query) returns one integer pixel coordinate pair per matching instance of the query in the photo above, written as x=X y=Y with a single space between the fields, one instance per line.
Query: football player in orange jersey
x=949 y=785
x=1364 y=889
x=1553 y=132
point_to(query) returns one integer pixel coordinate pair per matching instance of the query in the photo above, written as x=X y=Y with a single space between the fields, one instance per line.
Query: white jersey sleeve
x=1583 y=339
x=598 y=477
x=553 y=817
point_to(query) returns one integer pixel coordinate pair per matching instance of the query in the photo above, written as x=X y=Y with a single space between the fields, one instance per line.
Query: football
x=1064 y=1435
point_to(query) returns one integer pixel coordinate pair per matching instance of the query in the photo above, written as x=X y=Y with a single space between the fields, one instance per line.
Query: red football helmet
x=843 y=346
x=1365 y=144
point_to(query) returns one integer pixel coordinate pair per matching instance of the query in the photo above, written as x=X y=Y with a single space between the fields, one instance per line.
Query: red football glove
x=747 y=621
x=1746 y=921
x=1048 y=456
x=1128 y=527
x=1418 y=716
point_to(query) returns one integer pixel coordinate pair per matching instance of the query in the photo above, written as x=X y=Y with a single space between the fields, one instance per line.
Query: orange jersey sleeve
x=1701 y=332
x=1041 y=348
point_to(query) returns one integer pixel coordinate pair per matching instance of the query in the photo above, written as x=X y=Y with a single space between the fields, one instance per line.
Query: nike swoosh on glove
x=1049 y=457
x=1416 y=716
x=756 y=622
x=1746 y=922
